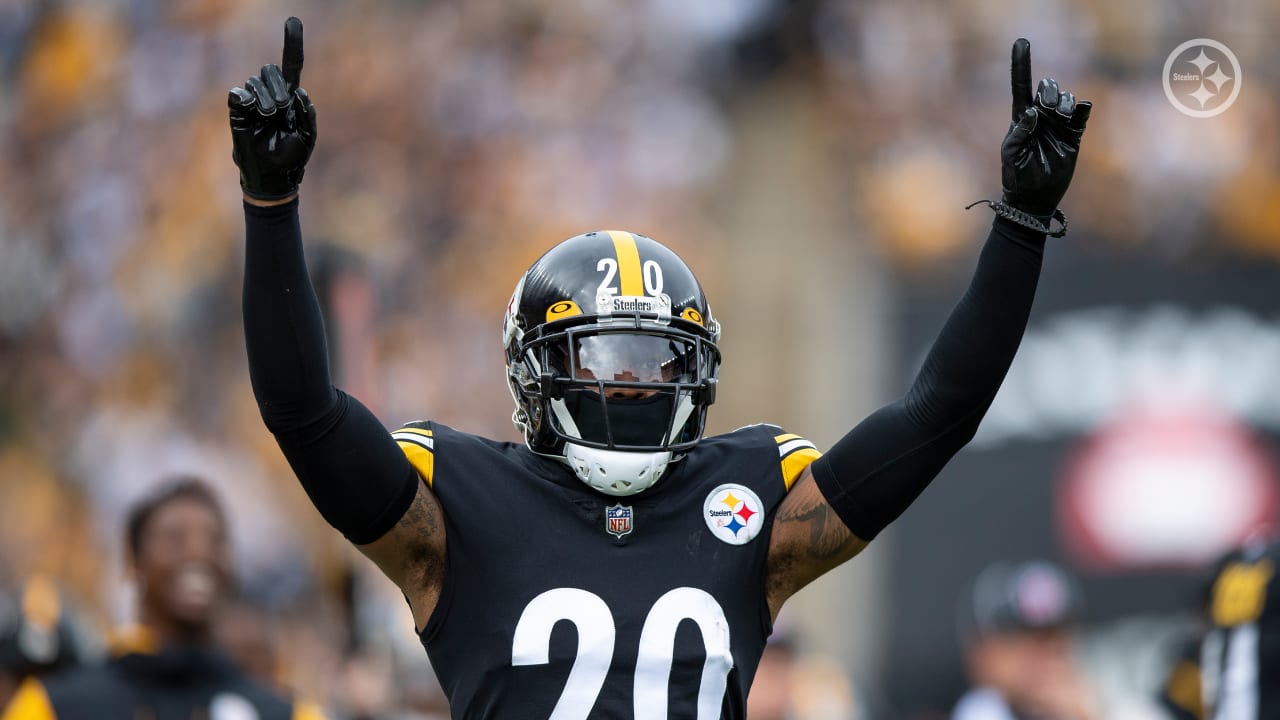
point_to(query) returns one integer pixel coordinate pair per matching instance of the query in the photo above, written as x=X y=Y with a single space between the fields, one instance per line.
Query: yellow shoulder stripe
x=1240 y=593
x=419 y=447
x=1183 y=688
x=30 y=702
x=795 y=463
x=306 y=711
x=795 y=454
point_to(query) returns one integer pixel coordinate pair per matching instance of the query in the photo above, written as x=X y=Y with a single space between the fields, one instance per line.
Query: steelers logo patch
x=734 y=514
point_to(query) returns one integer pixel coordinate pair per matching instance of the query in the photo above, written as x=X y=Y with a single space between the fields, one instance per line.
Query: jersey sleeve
x=417 y=441
x=30 y=702
x=794 y=455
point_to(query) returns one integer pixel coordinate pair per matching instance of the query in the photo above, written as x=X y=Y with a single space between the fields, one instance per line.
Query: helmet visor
x=632 y=358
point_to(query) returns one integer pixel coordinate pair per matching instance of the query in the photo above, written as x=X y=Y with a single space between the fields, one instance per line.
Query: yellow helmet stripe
x=624 y=245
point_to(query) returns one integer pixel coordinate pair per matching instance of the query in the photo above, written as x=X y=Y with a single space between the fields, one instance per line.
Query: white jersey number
x=596 y=633
x=650 y=273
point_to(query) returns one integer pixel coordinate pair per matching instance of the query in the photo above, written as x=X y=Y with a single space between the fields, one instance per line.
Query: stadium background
x=809 y=159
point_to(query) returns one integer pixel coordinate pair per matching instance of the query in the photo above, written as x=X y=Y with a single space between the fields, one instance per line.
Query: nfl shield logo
x=617 y=520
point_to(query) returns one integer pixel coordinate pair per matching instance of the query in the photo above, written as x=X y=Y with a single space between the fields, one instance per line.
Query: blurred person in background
x=612 y=363
x=165 y=667
x=1233 y=672
x=246 y=633
x=791 y=684
x=1015 y=626
x=770 y=697
x=38 y=635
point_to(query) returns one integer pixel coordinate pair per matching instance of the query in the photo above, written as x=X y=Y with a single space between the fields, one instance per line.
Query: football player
x=166 y=666
x=1233 y=671
x=616 y=563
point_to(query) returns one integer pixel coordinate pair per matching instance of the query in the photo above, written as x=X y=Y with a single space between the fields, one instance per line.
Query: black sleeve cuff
x=851 y=514
x=272 y=212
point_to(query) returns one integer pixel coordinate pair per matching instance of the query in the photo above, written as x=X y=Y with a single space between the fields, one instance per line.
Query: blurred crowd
x=458 y=141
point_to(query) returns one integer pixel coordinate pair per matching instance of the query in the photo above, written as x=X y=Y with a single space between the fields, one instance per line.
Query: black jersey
x=560 y=602
x=171 y=684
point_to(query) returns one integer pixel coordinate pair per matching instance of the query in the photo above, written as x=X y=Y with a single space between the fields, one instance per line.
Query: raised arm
x=873 y=473
x=354 y=473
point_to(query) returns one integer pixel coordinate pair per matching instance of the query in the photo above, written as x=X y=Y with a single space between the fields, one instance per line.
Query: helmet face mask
x=618 y=393
x=624 y=388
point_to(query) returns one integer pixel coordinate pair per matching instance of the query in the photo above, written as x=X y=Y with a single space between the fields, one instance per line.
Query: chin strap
x=615 y=472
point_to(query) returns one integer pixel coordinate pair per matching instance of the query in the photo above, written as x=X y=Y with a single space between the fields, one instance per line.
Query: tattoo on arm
x=809 y=539
x=420 y=534
x=412 y=553
x=828 y=536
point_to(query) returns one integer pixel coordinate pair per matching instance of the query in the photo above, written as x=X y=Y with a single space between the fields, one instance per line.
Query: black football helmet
x=611 y=358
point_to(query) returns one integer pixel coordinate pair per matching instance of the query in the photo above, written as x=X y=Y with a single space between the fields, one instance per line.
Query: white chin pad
x=614 y=472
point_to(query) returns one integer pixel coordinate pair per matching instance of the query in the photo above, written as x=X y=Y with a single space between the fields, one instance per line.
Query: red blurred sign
x=1167 y=484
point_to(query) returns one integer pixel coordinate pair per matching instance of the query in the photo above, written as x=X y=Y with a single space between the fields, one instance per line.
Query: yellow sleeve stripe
x=420 y=457
x=795 y=462
x=791 y=446
x=624 y=246
x=30 y=702
x=414 y=431
x=795 y=453
x=401 y=436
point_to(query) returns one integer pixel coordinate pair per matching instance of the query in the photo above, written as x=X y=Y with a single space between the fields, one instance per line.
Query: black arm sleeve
x=874 y=472
x=352 y=470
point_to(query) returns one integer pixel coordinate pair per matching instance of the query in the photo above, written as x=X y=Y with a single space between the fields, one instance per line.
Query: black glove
x=273 y=124
x=1038 y=155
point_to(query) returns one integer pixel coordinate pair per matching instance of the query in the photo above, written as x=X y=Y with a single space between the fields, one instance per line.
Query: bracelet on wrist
x=1025 y=219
